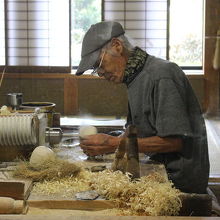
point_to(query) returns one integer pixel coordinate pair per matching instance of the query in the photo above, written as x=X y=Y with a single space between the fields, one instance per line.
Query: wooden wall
x=84 y=95
x=212 y=21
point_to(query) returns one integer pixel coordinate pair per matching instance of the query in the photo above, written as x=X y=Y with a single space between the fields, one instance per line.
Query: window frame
x=33 y=69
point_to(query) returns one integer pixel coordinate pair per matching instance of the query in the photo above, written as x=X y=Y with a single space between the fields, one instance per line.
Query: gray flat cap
x=95 y=38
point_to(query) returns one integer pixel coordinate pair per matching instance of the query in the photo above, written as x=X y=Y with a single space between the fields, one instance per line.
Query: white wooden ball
x=40 y=155
x=86 y=130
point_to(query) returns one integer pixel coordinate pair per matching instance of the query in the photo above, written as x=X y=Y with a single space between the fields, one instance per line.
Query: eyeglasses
x=96 y=69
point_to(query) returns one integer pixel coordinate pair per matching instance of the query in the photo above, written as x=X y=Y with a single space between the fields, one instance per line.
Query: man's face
x=112 y=64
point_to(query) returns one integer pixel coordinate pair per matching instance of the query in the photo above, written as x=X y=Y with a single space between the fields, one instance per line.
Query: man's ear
x=117 y=46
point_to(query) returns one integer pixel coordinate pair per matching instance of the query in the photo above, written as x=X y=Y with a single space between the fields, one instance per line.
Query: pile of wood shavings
x=65 y=187
x=49 y=170
x=152 y=195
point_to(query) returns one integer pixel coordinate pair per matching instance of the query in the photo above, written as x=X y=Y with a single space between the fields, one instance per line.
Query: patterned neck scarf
x=134 y=65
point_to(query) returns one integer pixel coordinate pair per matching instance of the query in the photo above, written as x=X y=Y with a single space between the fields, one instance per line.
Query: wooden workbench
x=40 y=207
x=69 y=215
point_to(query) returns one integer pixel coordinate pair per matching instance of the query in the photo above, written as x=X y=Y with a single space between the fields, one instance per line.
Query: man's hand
x=99 y=144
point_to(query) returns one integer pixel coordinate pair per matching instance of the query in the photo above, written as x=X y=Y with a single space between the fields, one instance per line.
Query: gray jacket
x=162 y=103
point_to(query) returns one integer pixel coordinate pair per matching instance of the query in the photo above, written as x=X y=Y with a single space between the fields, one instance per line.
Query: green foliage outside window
x=188 y=52
x=84 y=14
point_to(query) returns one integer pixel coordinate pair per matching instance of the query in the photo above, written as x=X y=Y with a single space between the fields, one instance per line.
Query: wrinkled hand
x=99 y=144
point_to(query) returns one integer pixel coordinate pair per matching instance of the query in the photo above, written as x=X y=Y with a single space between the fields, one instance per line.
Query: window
x=144 y=21
x=2 y=34
x=169 y=29
x=37 y=33
x=186 y=22
x=84 y=14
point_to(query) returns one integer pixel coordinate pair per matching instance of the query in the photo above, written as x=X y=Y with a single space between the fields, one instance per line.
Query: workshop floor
x=213 y=133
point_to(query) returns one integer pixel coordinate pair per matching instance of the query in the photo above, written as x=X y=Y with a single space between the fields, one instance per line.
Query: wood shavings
x=66 y=187
x=51 y=169
x=4 y=110
x=151 y=195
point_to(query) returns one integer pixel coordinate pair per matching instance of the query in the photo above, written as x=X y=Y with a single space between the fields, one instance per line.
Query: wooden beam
x=16 y=189
x=212 y=88
x=70 y=96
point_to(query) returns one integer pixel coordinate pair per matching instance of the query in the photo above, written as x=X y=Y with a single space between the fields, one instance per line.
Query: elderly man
x=161 y=104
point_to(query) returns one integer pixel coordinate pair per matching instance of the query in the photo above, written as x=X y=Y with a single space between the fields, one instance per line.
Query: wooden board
x=65 y=215
x=192 y=204
x=91 y=205
x=15 y=188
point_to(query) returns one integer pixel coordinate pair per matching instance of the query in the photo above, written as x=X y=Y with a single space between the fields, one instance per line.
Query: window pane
x=186 y=22
x=145 y=21
x=84 y=14
x=36 y=35
x=2 y=34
